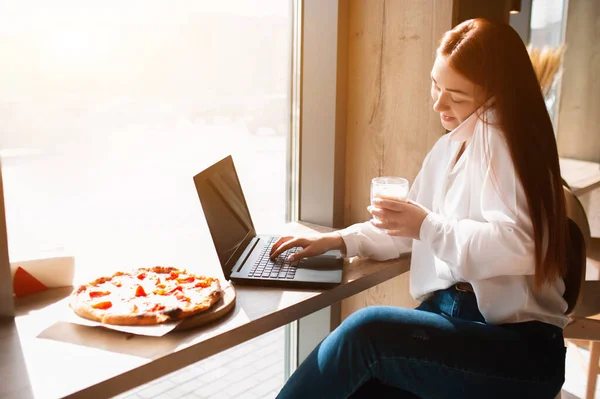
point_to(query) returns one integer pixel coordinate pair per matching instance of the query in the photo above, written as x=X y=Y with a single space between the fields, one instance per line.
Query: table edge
x=156 y=368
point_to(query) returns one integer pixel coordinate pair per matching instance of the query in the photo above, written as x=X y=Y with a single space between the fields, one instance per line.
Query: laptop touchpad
x=322 y=262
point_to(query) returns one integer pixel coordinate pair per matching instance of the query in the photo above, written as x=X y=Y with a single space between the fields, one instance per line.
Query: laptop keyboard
x=280 y=268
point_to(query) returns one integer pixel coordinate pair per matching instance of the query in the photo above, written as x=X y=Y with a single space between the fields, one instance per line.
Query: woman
x=486 y=224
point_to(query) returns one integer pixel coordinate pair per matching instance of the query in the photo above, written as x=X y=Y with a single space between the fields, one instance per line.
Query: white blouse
x=479 y=230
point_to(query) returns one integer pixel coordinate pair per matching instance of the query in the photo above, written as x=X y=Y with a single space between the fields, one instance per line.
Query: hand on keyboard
x=311 y=245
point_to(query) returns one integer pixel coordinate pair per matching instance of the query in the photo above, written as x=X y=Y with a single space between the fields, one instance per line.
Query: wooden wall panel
x=393 y=292
x=390 y=122
x=578 y=130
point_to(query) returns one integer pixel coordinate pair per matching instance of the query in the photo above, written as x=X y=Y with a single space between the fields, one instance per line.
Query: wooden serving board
x=221 y=308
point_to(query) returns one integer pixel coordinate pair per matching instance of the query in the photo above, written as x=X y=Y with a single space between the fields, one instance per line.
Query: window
x=547 y=22
x=547 y=30
x=108 y=110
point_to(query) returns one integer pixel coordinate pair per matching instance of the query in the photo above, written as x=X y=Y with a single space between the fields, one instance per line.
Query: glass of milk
x=388 y=187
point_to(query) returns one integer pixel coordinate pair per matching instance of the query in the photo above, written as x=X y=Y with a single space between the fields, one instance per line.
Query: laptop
x=243 y=254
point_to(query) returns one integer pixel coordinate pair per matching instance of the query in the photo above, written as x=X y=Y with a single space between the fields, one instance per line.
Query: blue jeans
x=442 y=349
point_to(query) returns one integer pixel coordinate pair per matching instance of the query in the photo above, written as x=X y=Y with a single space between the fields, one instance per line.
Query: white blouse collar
x=465 y=130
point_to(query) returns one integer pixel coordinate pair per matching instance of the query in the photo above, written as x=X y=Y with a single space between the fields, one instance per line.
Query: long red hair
x=493 y=56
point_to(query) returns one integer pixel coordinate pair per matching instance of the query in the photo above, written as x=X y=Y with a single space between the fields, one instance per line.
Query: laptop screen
x=225 y=210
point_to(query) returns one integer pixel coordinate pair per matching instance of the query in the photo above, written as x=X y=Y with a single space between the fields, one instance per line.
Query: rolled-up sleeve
x=367 y=241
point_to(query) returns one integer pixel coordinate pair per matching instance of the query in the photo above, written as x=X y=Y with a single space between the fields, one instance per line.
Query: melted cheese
x=123 y=288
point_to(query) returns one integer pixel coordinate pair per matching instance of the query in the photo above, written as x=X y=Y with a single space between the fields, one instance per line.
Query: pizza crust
x=145 y=319
x=203 y=300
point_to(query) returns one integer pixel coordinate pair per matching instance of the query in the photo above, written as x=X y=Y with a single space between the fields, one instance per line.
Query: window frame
x=321 y=147
x=7 y=305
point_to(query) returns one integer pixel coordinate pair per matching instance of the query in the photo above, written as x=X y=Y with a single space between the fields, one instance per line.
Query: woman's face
x=455 y=96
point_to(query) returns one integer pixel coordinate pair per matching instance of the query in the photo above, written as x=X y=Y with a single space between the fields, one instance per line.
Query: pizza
x=145 y=296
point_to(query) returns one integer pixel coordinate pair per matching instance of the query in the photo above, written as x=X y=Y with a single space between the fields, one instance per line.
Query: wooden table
x=45 y=358
x=581 y=176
